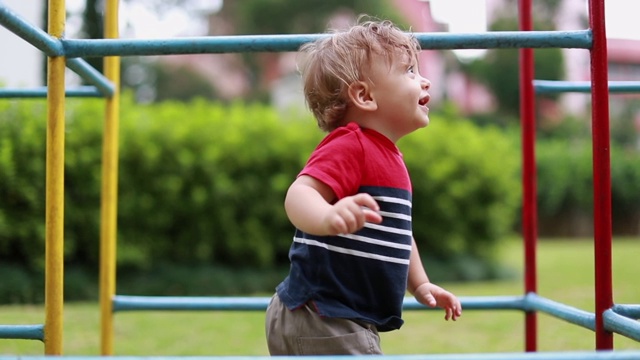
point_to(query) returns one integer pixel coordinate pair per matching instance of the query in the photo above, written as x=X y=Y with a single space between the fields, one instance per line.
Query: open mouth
x=423 y=101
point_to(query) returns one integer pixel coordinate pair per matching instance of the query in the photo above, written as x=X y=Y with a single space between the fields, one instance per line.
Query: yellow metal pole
x=109 y=192
x=54 y=214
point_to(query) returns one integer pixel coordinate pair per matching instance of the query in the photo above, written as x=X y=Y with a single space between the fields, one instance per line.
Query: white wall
x=20 y=62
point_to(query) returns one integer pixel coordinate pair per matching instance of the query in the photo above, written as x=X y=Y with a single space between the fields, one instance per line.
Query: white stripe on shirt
x=393 y=200
x=352 y=252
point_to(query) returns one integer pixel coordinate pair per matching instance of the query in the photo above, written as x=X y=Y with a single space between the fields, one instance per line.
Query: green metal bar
x=622 y=325
x=568 y=313
x=552 y=87
x=129 y=303
x=24 y=332
x=41 y=92
x=89 y=73
x=33 y=35
x=277 y=43
x=552 y=355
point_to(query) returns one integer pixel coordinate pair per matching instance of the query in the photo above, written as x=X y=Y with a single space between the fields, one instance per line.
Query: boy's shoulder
x=351 y=128
x=353 y=136
x=342 y=135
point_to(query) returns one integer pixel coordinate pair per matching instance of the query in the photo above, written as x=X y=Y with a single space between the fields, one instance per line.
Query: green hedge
x=466 y=188
x=565 y=183
x=203 y=184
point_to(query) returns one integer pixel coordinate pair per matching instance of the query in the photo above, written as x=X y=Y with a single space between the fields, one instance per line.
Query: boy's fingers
x=372 y=216
x=366 y=200
x=369 y=206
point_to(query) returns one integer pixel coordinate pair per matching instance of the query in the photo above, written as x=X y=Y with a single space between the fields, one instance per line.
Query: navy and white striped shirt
x=360 y=276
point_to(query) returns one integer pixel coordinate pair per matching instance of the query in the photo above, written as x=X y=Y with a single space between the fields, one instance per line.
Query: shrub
x=202 y=184
x=466 y=188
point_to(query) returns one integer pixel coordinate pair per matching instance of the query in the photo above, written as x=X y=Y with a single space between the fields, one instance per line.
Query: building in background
x=21 y=63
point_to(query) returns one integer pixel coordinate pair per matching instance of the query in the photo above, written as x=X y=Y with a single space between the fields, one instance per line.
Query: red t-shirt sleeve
x=337 y=161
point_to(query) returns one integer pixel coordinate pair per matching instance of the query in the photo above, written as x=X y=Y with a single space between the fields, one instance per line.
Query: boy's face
x=401 y=95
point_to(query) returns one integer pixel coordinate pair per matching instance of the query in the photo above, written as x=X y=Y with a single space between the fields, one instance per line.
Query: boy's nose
x=426 y=84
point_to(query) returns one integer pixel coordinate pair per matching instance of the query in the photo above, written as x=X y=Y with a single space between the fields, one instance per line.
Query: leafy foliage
x=466 y=188
x=499 y=69
x=203 y=184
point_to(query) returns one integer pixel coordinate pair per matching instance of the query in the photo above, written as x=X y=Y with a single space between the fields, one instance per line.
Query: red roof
x=623 y=50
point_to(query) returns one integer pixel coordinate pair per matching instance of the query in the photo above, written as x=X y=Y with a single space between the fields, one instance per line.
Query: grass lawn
x=565 y=275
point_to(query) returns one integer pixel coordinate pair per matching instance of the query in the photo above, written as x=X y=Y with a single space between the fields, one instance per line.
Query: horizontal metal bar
x=552 y=87
x=41 y=92
x=553 y=355
x=128 y=303
x=568 y=313
x=52 y=47
x=579 y=39
x=631 y=311
x=621 y=325
x=475 y=303
x=32 y=34
x=89 y=73
x=277 y=43
x=24 y=332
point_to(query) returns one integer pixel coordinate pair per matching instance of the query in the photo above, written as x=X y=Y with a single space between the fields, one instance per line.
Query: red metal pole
x=601 y=173
x=529 y=208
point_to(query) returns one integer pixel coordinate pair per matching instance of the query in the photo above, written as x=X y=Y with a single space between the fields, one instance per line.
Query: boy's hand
x=350 y=213
x=433 y=295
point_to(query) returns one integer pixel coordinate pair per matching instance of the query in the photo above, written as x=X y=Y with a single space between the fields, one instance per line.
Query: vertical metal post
x=54 y=214
x=109 y=191
x=529 y=208
x=601 y=173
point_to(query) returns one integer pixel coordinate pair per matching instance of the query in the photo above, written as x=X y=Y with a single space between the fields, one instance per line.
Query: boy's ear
x=360 y=95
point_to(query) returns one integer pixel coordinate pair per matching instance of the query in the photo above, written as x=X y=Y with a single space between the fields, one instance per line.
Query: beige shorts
x=304 y=332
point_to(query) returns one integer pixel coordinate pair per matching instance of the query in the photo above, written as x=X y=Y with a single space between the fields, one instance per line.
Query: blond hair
x=331 y=64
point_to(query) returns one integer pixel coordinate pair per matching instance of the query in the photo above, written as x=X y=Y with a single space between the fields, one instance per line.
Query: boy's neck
x=368 y=120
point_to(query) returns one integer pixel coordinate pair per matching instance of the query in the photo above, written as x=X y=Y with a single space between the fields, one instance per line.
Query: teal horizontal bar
x=552 y=87
x=52 y=47
x=24 y=332
x=33 y=35
x=277 y=43
x=621 y=324
x=568 y=313
x=580 y=39
x=41 y=92
x=552 y=355
x=631 y=311
x=128 y=303
x=475 y=303
x=89 y=73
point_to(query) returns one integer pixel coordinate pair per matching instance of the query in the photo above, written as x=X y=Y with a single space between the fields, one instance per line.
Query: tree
x=243 y=17
x=263 y=17
x=499 y=69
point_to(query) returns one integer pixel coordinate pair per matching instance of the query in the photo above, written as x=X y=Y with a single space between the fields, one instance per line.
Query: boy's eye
x=411 y=69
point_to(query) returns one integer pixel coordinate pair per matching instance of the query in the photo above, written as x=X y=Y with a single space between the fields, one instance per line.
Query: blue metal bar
x=551 y=87
x=128 y=303
x=52 y=47
x=41 y=92
x=475 y=303
x=92 y=75
x=621 y=325
x=35 y=36
x=555 y=355
x=277 y=43
x=25 y=332
x=630 y=311
x=570 y=314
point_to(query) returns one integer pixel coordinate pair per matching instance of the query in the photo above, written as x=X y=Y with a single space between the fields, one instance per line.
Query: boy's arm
x=428 y=293
x=309 y=206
